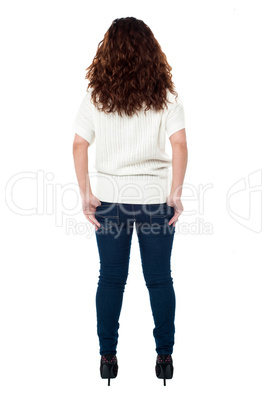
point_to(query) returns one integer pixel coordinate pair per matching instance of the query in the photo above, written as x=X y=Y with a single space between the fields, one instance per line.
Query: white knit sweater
x=131 y=163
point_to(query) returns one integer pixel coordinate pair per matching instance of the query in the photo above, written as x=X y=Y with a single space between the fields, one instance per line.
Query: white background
x=49 y=269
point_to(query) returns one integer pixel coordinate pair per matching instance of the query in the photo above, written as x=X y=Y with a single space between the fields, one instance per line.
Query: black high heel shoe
x=164 y=367
x=109 y=366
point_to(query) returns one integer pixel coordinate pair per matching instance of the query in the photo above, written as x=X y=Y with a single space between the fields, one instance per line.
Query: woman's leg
x=114 y=243
x=155 y=249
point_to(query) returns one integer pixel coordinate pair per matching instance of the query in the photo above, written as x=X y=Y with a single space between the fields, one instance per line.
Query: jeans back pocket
x=107 y=213
x=160 y=214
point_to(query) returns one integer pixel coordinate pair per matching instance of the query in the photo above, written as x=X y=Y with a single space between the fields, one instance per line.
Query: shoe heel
x=164 y=368
x=107 y=372
x=109 y=366
x=166 y=372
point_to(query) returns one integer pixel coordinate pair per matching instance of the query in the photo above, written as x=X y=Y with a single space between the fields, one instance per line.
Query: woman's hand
x=89 y=208
x=174 y=201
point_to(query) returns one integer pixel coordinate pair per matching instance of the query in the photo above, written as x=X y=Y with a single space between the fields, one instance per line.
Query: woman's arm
x=89 y=201
x=179 y=164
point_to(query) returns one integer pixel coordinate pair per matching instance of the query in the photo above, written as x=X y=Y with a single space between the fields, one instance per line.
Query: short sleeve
x=83 y=123
x=175 y=119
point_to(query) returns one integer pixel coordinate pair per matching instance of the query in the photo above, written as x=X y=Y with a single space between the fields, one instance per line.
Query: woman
x=129 y=108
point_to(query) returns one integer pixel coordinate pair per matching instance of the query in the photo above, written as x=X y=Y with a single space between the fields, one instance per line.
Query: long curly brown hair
x=129 y=70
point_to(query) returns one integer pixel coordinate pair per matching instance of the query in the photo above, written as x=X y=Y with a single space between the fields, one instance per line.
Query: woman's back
x=131 y=162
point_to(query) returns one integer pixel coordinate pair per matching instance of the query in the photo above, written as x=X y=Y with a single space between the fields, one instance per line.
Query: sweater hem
x=132 y=189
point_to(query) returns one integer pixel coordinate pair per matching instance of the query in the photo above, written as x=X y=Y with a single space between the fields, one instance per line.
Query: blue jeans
x=155 y=239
